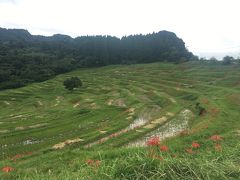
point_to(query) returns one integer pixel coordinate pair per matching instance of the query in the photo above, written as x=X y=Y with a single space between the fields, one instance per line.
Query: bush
x=201 y=110
x=71 y=83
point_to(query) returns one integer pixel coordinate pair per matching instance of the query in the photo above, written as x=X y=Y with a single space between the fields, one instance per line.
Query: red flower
x=28 y=153
x=7 y=169
x=164 y=148
x=154 y=141
x=195 y=145
x=218 y=147
x=97 y=162
x=216 y=138
x=89 y=162
x=18 y=156
x=160 y=158
x=189 y=151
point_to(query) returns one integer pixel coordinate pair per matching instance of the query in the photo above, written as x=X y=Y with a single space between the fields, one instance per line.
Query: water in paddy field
x=170 y=129
x=144 y=118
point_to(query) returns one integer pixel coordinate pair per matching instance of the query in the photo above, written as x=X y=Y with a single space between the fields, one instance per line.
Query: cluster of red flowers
x=92 y=162
x=195 y=145
x=164 y=148
x=154 y=141
x=7 y=169
x=18 y=156
x=14 y=158
x=216 y=138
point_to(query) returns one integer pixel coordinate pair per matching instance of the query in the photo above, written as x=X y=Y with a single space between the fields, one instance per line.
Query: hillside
x=26 y=58
x=101 y=130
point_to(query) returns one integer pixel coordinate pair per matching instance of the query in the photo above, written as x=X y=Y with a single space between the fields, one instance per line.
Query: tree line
x=26 y=58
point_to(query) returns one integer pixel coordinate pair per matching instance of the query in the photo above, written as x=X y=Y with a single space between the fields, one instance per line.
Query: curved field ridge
x=121 y=106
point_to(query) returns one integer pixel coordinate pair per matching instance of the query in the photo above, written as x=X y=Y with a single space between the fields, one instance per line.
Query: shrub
x=71 y=83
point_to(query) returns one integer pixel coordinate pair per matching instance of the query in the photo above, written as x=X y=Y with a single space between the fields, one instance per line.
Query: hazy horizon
x=209 y=28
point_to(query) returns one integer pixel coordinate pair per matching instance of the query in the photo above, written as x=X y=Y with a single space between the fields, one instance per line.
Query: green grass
x=37 y=117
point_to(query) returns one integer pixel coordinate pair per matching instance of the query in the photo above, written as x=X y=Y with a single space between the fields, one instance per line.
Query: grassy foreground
x=47 y=132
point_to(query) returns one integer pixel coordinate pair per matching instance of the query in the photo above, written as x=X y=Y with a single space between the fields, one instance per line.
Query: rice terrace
x=119 y=90
x=101 y=129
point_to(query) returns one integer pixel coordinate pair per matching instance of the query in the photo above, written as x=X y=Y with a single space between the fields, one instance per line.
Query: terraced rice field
x=124 y=103
x=120 y=106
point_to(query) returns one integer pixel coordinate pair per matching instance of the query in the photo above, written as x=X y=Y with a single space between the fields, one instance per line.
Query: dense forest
x=26 y=58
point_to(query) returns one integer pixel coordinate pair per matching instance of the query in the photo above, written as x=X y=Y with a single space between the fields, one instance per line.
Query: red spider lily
x=216 y=138
x=218 y=147
x=97 y=162
x=195 y=145
x=154 y=141
x=7 y=169
x=29 y=153
x=164 y=148
x=17 y=156
x=90 y=162
x=189 y=151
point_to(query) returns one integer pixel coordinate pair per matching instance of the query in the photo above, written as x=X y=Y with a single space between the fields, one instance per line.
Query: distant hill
x=14 y=34
x=26 y=58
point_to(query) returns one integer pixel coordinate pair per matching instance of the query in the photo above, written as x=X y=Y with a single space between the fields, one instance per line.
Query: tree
x=71 y=83
x=227 y=60
x=213 y=60
x=30 y=58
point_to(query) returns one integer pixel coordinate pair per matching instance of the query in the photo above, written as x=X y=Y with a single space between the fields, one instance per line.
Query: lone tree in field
x=71 y=83
x=227 y=60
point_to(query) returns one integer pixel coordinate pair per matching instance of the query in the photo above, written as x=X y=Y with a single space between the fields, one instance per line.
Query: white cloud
x=8 y=1
x=205 y=25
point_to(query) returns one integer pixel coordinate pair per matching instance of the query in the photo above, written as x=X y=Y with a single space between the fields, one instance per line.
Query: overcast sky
x=208 y=27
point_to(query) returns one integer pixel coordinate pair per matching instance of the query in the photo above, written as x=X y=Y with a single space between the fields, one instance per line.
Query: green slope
x=117 y=108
